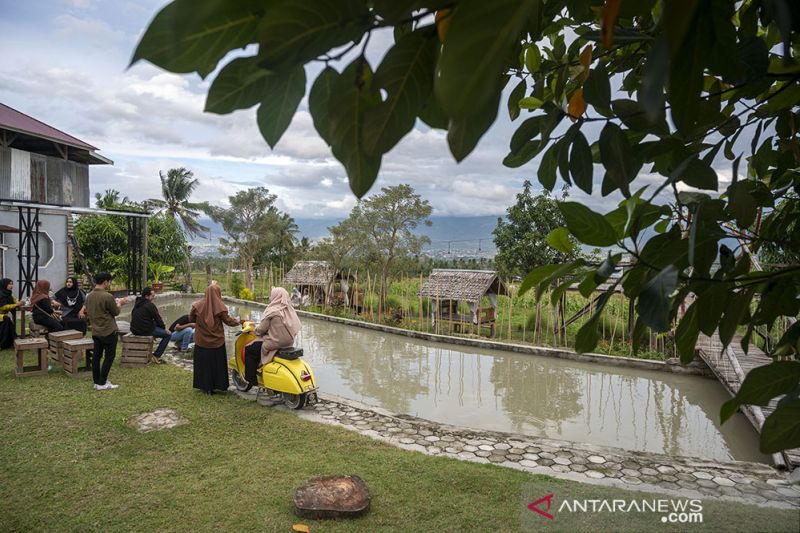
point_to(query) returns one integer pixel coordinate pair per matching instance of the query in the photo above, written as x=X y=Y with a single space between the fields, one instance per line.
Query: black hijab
x=75 y=294
x=6 y=297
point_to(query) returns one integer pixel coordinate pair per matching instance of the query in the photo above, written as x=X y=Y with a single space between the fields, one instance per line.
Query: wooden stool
x=56 y=338
x=39 y=346
x=136 y=351
x=75 y=351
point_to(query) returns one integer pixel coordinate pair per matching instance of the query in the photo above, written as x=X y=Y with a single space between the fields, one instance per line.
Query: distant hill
x=455 y=233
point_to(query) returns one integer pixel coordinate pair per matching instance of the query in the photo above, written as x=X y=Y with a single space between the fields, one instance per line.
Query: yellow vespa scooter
x=287 y=377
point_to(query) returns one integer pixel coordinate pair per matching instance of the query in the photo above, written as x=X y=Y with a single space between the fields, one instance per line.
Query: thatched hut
x=448 y=287
x=321 y=281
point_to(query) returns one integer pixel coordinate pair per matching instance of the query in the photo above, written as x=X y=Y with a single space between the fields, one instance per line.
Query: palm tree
x=286 y=228
x=110 y=199
x=177 y=188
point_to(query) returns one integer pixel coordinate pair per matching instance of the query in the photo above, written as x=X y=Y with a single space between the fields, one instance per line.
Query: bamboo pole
x=510 y=312
x=419 y=294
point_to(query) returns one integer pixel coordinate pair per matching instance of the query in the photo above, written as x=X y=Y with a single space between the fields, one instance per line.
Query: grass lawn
x=70 y=463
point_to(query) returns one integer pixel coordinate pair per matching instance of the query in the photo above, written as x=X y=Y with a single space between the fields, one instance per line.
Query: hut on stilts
x=448 y=287
x=323 y=283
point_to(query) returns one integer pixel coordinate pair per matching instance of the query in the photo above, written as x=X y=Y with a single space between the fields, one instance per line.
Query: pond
x=540 y=396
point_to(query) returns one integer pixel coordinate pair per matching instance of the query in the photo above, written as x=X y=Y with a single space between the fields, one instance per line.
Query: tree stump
x=332 y=497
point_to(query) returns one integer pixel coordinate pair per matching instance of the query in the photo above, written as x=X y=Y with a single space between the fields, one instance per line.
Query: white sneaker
x=101 y=387
x=110 y=385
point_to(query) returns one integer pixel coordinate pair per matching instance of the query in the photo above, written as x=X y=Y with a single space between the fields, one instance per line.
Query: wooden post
x=144 y=250
x=421 y=318
x=510 y=312
x=209 y=275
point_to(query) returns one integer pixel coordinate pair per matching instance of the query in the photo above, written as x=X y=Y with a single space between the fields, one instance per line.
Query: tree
x=110 y=199
x=380 y=228
x=522 y=241
x=725 y=73
x=247 y=222
x=176 y=190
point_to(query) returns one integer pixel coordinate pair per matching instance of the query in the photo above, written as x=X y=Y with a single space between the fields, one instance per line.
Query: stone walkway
x=753 y=483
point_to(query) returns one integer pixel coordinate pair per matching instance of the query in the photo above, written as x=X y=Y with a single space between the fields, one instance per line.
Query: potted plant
x=156 y=271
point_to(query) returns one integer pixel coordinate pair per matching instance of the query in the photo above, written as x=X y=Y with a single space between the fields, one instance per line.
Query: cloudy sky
x=65 y=63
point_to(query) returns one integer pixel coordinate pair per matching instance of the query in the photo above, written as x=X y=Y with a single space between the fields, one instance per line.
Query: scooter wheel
x=238 y=381
x=294 y=401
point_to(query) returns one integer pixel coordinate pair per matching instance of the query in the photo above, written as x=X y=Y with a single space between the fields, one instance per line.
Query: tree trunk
x=187 y=279
x=248 y=274
x=209 y=277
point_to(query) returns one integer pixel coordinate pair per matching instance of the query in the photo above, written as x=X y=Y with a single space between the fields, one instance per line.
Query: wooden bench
x=137 y=351
x=39 y=347
x=75 y=351
x=56 y=339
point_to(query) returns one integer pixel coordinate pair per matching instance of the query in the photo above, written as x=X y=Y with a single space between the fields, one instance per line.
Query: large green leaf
x=535 y=276
x=406 y=74
x=587 y=336
x=188 y=36
x=621 y=161
x=513 y=99
x=686 y=79
x=297 y=31
x=737 y=310
x=781 y=429
x=597 y=88
x=711 y=304
x=242 y=83
x=762 y=384
x=547 y=168
x=580 y=163
x=655 y=300
x=480 y=37
x=283 y=93
x=634 y=115
x=351 y=95
x=700 y=174
x=463 y=134
x=525 y=153
x=319 y=100
x=686 y=334
x=586 y=225
x=558 y=239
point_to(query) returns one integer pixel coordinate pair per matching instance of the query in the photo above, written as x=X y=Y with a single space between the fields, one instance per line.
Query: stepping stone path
x=157 y=420
x=687 y=477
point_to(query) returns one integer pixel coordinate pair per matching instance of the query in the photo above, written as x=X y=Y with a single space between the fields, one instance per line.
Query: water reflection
x=633 y=409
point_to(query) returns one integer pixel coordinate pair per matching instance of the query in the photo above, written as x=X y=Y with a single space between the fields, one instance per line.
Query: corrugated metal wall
x=80 y=185
x=33 y=177
x=5 y=172
x=55 y=189
x=20 y=175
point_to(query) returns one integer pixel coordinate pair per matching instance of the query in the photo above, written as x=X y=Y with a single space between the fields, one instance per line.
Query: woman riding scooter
x=278 y=328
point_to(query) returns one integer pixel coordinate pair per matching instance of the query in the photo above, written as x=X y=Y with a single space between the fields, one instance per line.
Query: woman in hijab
x=71 y=298
x=210 y=357
x=278 y=328
x=8 y=306
x=43 y=313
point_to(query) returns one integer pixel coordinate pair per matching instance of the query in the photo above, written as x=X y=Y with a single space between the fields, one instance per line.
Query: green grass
x=70 y=463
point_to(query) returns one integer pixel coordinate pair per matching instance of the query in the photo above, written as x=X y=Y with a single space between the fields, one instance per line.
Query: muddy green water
x=540 y=396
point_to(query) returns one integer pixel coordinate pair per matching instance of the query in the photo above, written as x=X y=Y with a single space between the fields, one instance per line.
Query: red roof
x=12 y=119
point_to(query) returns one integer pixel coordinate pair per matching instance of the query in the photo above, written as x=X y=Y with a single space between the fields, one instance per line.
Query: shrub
x=236 y=284
x=246 y=294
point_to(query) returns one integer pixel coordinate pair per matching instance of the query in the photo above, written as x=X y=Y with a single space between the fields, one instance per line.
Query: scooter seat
x=289 y=353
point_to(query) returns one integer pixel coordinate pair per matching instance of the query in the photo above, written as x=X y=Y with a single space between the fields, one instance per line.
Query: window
x=45 y=248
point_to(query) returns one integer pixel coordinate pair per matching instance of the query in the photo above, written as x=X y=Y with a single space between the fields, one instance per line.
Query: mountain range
x=464 y=234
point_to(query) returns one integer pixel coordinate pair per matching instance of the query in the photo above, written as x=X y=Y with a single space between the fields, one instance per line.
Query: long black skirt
x=8 y=332
x=74 y=322
x=210 y=368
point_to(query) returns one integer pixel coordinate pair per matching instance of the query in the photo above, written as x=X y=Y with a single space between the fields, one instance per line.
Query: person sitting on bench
x=43 y=313
x=147 y=321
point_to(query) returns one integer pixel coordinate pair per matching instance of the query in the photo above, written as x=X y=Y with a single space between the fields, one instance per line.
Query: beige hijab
x=210 y=307
x=281 y=305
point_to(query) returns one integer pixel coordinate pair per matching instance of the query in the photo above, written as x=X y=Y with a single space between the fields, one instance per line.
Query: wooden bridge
x=731 y=365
